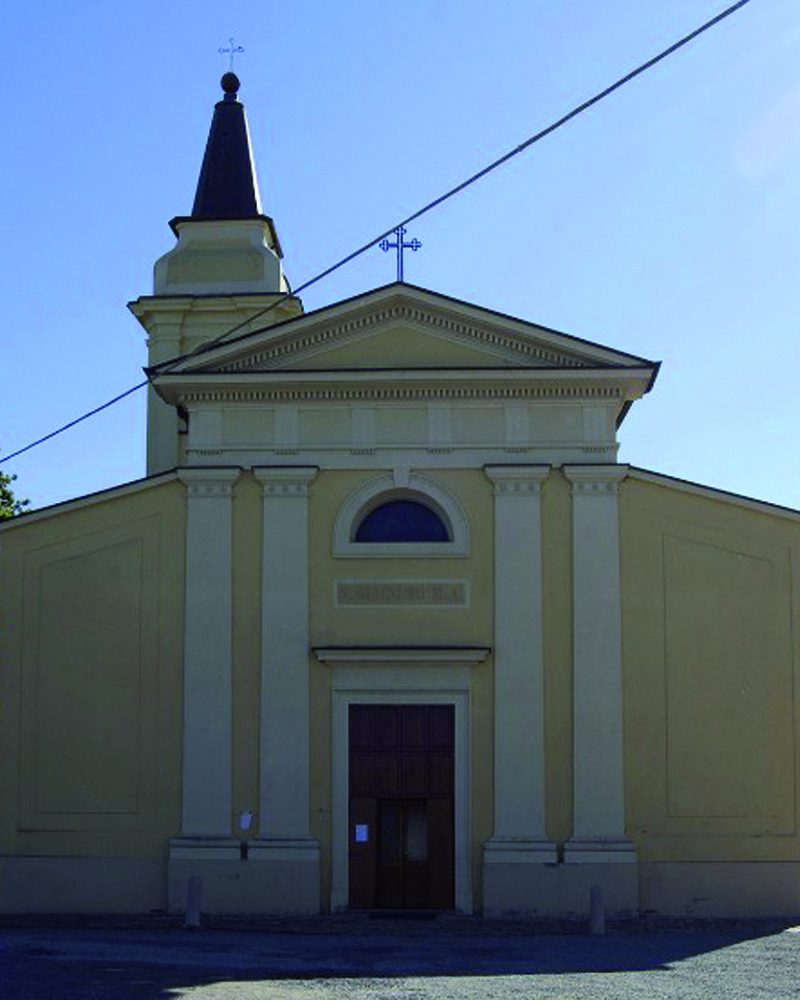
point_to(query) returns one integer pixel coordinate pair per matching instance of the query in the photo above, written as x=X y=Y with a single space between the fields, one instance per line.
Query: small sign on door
x=362 y=833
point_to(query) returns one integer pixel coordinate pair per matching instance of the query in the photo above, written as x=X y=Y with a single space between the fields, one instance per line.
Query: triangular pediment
x=401 y=327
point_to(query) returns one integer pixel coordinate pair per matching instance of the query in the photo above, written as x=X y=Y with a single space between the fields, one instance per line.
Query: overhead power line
x=538 y=136
x=77 y=420
x=479 y=175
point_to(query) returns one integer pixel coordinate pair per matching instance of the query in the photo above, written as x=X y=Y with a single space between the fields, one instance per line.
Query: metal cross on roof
x=400 y=245
x=232 y=50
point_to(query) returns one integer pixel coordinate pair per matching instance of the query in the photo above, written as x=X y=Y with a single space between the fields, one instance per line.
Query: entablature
x=408 y=384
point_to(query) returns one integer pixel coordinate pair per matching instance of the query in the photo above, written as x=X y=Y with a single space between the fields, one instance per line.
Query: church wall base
x=558 y=890
x=291 y=884
x=721 y=889
x=708 y=889
x=81 y=885
x=272 y=879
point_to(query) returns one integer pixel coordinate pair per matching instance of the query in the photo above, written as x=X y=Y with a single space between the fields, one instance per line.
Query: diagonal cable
x=537 y=137
x=208 y=345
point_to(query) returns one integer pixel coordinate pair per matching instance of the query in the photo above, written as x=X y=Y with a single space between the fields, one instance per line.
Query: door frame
x=396 y=678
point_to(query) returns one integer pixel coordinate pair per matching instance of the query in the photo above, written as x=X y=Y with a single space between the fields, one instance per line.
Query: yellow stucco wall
x=710 y=671
x=91 y=642
x=91 y=599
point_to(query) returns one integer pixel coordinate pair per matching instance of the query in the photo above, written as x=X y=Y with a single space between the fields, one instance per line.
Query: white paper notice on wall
x=362 y=833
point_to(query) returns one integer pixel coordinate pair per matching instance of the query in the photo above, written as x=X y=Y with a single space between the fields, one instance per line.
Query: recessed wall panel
x=728 y=682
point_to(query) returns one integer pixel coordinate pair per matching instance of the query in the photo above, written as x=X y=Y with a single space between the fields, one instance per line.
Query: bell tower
x=224 y=271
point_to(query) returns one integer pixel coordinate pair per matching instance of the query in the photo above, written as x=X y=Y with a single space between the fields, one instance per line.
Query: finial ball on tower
x=230 y=84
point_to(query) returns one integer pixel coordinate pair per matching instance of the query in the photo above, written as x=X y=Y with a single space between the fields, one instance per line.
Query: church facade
x=387 y=626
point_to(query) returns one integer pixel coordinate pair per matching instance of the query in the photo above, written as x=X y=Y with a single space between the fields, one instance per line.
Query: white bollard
x=194 y=901
x=597 y=912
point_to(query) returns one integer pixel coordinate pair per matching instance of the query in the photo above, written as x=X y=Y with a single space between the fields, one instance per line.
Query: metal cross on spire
x=233 y=51
x=400 y=245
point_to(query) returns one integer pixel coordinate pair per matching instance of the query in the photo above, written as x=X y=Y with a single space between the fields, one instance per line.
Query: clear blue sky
x=665 y=222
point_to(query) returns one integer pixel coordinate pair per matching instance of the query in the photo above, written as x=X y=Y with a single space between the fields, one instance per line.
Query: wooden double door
x=401 y=837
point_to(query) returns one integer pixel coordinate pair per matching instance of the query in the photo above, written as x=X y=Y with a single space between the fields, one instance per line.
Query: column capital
x=209 y=483
x=516 y=480
x=595 y=480
x=285 y=480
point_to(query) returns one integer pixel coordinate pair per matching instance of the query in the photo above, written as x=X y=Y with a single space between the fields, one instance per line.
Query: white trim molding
x=518 y=480
x=712 y=493
x=599 y=783
x=469 y=656
x=207 y=721
x=284 y=801
x=519 y=778
x=285 y=854
x=401 y=485
x=595 y=479
x=497 y=334
x=78 y=503
x=285 y=481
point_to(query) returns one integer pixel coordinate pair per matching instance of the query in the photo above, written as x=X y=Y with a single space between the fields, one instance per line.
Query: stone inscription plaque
x=402 y=593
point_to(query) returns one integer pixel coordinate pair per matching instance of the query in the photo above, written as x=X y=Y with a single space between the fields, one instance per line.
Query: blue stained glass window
x=402 y=521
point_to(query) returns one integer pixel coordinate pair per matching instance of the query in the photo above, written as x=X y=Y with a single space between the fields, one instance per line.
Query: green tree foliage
x=9 y=505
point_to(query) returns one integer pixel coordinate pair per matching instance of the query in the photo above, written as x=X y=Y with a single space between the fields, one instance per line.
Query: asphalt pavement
x=442 y=959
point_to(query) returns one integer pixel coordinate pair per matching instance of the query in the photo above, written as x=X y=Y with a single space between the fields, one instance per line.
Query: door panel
x=386 y=774
x=401 y=806
x=389 y=877
x=415 y=727
x=441 y=775
x=387 y=723
x=415 y=832
x=415 y=775
x=441 y=733
x=416 y=869
x=441 y=847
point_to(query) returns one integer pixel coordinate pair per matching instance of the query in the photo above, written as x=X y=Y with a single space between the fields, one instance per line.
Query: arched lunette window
x=416 y=519
x=401 y=520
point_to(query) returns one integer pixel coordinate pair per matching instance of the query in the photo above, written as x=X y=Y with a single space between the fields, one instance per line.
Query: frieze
x=403 y=393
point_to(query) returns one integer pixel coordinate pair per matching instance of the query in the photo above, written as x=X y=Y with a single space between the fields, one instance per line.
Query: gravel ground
x=445 y=959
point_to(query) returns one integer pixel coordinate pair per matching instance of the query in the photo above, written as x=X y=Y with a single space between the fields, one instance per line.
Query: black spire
x=227 y=187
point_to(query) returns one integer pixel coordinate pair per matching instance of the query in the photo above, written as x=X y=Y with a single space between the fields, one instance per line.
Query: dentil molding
x=595 y=480
x=285 y=481
x=517 y=480
x=209 y=484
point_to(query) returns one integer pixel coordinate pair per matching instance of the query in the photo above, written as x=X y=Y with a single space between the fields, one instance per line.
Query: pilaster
x=207 y=654
x=599 y=781
x=284 y=840
x=519 y=838
x=205 y=848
